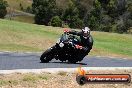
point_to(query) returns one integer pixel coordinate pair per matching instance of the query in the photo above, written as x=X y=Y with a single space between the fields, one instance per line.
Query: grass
x=8 y=82
x=2 y=82
x=18 y=36
x=43 y=77
x=14 y=7
x=26 y=19
x=15 y=47
x=29 y=80
x=62 y=73
x=16 y=3
x=113 y=43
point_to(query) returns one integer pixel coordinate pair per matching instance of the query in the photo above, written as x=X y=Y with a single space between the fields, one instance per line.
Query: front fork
x=54 y=49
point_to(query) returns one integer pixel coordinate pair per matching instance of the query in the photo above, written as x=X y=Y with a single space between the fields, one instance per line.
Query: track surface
x=10 y=61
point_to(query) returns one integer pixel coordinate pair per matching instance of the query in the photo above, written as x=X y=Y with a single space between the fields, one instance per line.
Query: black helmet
x=86 y=32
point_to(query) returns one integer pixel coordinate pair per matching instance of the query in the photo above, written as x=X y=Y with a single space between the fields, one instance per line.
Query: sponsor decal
x=83 y=78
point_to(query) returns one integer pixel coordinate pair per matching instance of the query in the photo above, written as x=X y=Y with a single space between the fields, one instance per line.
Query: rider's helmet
x=86 y=32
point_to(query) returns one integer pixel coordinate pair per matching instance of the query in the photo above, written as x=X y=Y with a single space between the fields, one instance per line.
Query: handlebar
x=69 y=39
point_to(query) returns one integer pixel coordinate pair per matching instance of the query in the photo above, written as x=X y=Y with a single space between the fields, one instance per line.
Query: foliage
x=44 y=10
x=56 y=21
x=113 y=16
x=99 y=15
x=71 y=16
x=29 y=9
x=3 y=11
x=21 y=7
x=95 y=16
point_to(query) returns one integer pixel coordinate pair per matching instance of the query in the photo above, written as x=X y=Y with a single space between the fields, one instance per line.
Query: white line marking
x=56 y=70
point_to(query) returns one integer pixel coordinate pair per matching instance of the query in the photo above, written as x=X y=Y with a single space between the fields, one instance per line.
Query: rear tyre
x=72 y=60
x=75 y=59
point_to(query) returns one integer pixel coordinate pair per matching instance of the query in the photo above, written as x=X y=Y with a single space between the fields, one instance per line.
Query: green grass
x=8 y=82
x=43 y=77
x=113 y=43
x=16 y=47
x=18 y=36
x=30 y=78
x=2 y=82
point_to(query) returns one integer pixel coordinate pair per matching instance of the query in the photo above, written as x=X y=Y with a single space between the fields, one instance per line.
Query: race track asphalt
x=10 y=61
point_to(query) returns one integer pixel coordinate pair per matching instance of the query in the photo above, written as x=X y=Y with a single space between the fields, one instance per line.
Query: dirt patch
x=58 y=80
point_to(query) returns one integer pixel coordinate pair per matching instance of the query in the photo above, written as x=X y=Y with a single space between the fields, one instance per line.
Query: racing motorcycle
x=67 y=49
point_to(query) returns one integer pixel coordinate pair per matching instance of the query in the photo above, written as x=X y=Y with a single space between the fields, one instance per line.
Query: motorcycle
x=67 y=48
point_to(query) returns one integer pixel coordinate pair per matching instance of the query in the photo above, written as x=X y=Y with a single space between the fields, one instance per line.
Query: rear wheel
x=72 y=60
x=75 y=59
x=46 y=56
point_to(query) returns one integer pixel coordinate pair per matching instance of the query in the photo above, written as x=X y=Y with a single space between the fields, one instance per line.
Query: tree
x=29 y=9
x=100 y=15
x=94 y=17
x=56 y=21
x=44 y=10
x=111 y=15
x=3 y=11
x=21 y=7
x=71 y=16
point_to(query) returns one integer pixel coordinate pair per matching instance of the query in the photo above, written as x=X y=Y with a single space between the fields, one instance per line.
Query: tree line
x=3 y=11
x=99 y=15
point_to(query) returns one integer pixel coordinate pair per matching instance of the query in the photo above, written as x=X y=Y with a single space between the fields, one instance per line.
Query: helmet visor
x=86 y=34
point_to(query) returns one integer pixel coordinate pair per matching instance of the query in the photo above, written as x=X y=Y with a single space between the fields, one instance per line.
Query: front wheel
x=46 y=56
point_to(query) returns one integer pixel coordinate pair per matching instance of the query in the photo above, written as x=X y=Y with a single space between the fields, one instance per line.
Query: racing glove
x=66 y=30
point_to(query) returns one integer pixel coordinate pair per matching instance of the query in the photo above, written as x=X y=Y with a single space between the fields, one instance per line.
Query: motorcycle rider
x=85 y=37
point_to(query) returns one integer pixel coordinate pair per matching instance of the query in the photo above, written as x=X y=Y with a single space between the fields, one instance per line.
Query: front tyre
x=46 y=56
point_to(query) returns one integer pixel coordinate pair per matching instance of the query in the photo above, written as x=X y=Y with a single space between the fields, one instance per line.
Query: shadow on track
x=67 y=63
